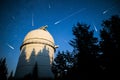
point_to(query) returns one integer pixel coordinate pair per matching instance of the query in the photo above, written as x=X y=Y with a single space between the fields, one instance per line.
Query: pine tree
x=62 y=64
x=110 y=47
x=86 y=48
x=3 y=69
x=11 y=76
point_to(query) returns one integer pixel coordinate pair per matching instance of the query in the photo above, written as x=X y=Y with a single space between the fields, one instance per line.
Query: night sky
x=18 y=17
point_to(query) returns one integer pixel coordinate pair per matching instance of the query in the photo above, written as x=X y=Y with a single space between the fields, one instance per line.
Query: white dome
x=40 y=35
x=37 y=47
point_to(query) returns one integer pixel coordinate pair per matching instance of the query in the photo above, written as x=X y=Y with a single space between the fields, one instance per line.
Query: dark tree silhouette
x=61 y=65
x=86 y=48
x=3 y=69
x=11 y=77
x=110 y=47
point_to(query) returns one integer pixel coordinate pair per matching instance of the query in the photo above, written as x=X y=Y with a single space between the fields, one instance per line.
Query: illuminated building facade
x=37 y=53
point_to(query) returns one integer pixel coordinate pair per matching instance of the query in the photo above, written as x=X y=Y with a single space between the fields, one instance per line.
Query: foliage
x=62 y=63
x=86 y=61
x=11 y=76
x=84 y=55
x=3 y=69
x=85 y=44
x=110 y=47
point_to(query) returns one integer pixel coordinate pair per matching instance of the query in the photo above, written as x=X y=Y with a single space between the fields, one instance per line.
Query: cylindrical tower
x=37 y=53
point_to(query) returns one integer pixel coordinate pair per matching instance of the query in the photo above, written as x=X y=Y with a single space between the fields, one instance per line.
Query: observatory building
x=36 y=55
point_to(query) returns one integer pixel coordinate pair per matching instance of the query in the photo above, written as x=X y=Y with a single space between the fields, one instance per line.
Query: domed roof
x=40 y=33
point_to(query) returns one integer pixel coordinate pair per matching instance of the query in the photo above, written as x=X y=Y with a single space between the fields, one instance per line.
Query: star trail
x=18 y=17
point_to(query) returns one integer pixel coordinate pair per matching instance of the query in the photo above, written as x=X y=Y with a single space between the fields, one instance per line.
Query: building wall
x=35 y=53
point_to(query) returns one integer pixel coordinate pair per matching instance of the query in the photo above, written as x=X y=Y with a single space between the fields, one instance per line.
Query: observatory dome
x=37 y=48
x=40 y=35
